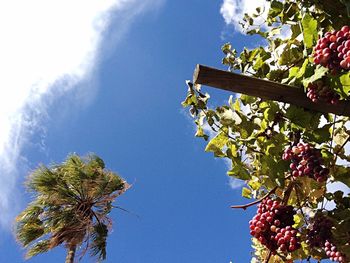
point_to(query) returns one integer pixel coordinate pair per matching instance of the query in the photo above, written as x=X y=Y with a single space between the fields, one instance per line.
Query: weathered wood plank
x=264 y=89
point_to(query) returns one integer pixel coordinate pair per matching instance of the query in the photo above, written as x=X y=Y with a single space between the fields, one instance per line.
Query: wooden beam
x=264 y=89
x=335 y=7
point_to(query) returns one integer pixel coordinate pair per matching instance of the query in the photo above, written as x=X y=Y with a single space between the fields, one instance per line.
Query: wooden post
x=264 y=89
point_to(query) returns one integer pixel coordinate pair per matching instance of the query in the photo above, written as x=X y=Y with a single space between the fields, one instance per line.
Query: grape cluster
x=272 y=226
x=333 y=50
x=319 y=231
x=306 y=161
x=319 y=92
x=332 y=253
x=319 y=235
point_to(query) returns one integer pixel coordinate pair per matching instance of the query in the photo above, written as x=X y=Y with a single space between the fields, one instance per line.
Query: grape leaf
x=309 y=30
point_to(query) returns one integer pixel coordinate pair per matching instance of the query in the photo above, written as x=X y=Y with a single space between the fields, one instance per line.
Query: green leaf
x=319 y=73
x=298 y=220
x=289 y=56
x=226 y=48
x=276 y=8
x=293 y=72
x=309 y=30
x=228 y=116
x=273 y=168
x=303 y=68
x=217 y=144
x=231 y=151
x=345 y=81
x=258 y=63
x=342 y=174
x=299 y=116
x=270 y=112
x=340 y=137
x=239 y=171
x=254 y=183
x=99 y=241
x=200 y=133
x=295 y=30
x=276 y=74
x=320 y=135
x=246 y=99
x=246 y=192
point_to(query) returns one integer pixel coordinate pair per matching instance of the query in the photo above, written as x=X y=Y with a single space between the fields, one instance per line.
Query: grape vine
x=288 y=155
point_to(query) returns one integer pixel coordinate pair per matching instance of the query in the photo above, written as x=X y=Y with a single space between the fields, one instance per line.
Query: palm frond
x=71 y=207
x=28 y=232
x=99 y=241
x=42 y=180
x=40 y=247
x=32 y=212
x=107 y=184
x=95 y=162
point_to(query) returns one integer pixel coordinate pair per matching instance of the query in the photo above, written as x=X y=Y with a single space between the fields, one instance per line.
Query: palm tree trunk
x=71 y=254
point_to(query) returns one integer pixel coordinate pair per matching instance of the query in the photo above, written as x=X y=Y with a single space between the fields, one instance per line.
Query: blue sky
x=121 y=98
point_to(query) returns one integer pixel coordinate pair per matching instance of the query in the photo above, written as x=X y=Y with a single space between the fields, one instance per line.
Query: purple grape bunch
x=272 y=226
x=319 y=235
x=333 y=50
x=306 y=161
x=319 y=92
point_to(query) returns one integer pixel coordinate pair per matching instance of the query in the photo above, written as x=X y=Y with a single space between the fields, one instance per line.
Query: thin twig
x=244 y=207
x=334 y=121
x=339 y=150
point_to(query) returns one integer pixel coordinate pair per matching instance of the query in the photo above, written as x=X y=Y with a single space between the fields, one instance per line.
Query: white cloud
x=233 y=182
x=233 y=11
x=47 y=48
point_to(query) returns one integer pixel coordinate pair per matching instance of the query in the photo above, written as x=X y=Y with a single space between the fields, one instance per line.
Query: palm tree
x=71 y=207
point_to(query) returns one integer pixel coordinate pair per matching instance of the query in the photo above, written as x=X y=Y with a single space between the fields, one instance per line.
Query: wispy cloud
x=233 y=182
x=233 y=11
x=47 y=48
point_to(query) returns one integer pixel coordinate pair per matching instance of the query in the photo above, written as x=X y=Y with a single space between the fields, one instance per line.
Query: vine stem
x=244 y=207
x=299 y=203
x=334 y=121
x=268 y=257
x=287 y=193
